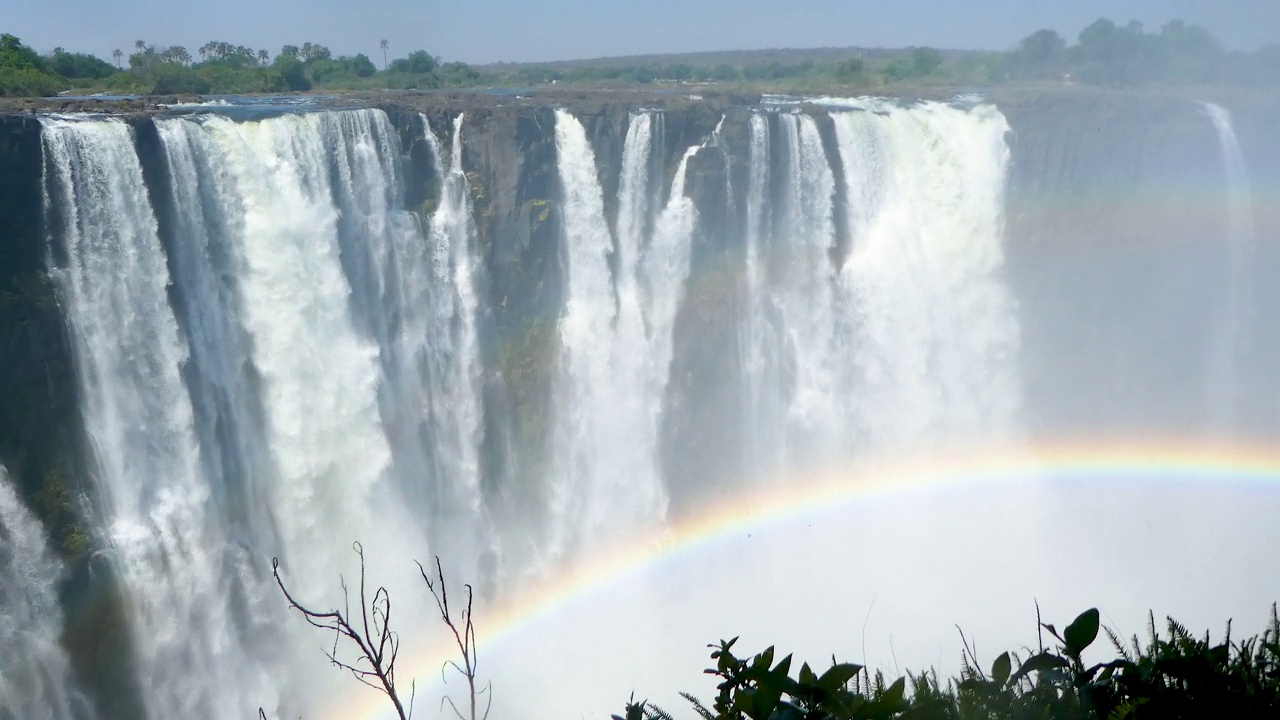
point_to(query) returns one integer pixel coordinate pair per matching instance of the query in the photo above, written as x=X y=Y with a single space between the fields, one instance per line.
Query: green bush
x=79 y=66
x=1175 y=676
x=23 y=72
x=171 y=79
x=19 y=82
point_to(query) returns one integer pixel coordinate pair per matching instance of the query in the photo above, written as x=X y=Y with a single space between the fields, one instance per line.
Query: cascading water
x=935 y=329
x=278 y=187
x=35 y=675
x=278 y=358
x=911 y=337
x=172 y=553
x=448 y=341
x=615 y=339
x=1227 y=352
x=760 y=366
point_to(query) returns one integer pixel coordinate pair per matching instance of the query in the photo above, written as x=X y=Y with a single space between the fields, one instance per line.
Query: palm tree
x=384 y=45
x=140 y=45
x=263 y=56
x=117 y=54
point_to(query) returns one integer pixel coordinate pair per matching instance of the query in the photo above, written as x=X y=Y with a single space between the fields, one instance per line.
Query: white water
x=1227 y=351
x=615 y=340
x=35 y=675
x=286 y=394
x=760 y=367
x=172 y=555
x=449 y=343
x=330 y=462
x=914 y=338
x=935 y=326
x=331 y=390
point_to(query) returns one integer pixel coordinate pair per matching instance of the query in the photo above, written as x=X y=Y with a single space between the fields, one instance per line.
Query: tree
x=176 y=54
x=311 y=52
x=117 y=55
x=292 y=71
x=1040 y=54
x=850 y=69
x=419 y=62
x=377 y=645
x=263 y=57
x=78 y=66
x=23 y=71
x=924 y=60
x=384 y=45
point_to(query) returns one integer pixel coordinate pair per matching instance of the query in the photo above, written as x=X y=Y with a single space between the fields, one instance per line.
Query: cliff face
x=1118 y=218
x=1115 y=213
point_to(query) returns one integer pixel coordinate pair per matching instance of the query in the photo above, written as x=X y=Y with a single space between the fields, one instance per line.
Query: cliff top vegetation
x=1104 y=53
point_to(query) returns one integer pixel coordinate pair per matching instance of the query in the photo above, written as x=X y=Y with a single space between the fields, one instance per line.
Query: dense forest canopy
x=1104 y=53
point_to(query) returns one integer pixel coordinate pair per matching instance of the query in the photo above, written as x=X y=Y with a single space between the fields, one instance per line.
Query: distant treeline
x=219 y=68
x=1104 y=54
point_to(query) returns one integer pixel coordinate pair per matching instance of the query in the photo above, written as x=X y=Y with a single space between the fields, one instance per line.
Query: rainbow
x=1157 y=459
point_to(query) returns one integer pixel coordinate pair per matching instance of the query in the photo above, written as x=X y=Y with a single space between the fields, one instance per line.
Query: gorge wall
x=504 y=330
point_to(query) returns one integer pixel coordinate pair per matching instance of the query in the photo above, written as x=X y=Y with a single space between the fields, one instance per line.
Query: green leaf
x=837 y=675
x=767 y=695
x=1081 y=633
x=744 y=701
x=1000 y=669
x=783 y=667
x=806 y=675
x=896 y=691
x=1039 y=663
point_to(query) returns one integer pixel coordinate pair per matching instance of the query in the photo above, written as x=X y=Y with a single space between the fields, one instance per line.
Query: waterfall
x=35 y=675
x=279 y=185
x=933 y=322
x=174 y=559
x=759 y=366
x=277 y=358
x=615 y=338
x=1229 y=348
x=447 y=340
x=913 y=338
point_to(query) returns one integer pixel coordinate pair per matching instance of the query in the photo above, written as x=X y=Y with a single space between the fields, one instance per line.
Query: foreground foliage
x=1177 y=675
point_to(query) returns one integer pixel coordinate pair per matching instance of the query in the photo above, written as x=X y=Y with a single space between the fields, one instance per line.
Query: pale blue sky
x=519 y=30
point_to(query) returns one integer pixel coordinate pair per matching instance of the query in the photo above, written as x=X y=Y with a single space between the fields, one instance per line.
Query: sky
x=482 y=31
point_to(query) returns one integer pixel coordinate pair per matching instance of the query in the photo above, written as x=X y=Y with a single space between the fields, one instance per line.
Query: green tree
x=79 y=66
x=419 y=62
x=311 y=52
x=925 y=60
x=292 y=71
x=175 y=78
x=850 y=69
x=384 y=45
x=23 y=72
x=1041 y=54
x=1188 y=53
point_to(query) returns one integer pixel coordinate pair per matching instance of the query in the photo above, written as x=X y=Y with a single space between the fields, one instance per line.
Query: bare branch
x=377 y=646
x=464 y=637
